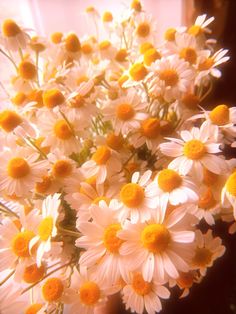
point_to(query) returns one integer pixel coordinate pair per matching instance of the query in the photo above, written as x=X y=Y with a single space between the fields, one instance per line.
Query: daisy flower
x=195 y=150
x=186 y=280
x=207 y=250
x=200 y=25
x=228 y=195
x=145 y=28
x=140 y=295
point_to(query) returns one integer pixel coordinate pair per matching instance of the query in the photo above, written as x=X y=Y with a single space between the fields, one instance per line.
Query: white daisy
x=200 y=25
x=145 y=28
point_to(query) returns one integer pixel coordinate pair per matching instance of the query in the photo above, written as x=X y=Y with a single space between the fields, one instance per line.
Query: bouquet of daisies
x=108 y=164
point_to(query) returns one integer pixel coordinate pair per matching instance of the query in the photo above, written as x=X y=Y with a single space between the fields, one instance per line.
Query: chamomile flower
x=200 y=25
x=228 y=195
x=145 y=28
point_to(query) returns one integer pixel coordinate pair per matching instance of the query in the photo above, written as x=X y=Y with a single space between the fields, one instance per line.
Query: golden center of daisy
x=89 y=293
x=150 y=128
x=62 y=168
x=169 y=76
x=145 y=47
x=136 y=5
x=20 y=243
x=18 y=168
x=43 y=186
x=27 y=70
x=45 y=228
x=9 y=120
x=125 y=112
x=115 y=141
x=62 y=130
x=72 y=43
x=33 y=273
x=190 y=101
x=206 y=65
x=202 y=257
x=33 y=308
x=121 y=55
x=77 y=101
x=155 y=238
x=143 y=29
x=207 y=200
x=140 y=286
x=168 y=180
x=101 y=155
x=18 y=99
x=101 y=198
x=56 y=37
x=104 y=45
x=188 y=54
x=194 y=149
x=52 y=289
x=132 y=195
x=52 y=98
x=138 y=71
x=111 y=242
x=195 y=30
x=86 y=48
x=170 y=34
x=10 y=28
x=220 y=115
x=107 y=17
x=185 y=280
x=231 y=184
x=150 y=56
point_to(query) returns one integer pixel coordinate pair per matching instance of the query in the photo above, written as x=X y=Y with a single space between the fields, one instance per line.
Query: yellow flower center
x=77 y=101
x=188 y=54
x=191 y=101
x=202 y=257
x=33 y=308
x=207 y=200
x=53 y=98
x=206 y=65
x=62 y=168
x=111 y=242
x=231 y=184
x=36 y=45
x=115 y=141
x=195 y=30
x=89 y=293
x=209 y=178
x=145 y=47
x=27 y=70
x=107 y=17
x=19 y=99
x=122 y=80
x=136 y=5
x=185 y=280
x=150 y=56
x=101 y=198
x=194 y=149
x=125 y=112
x=42 y=187
x=72 y=43
x=121 y=55
x=45 y=228
x=52 y=289
x=170 y=77
x=10 y=28
x=150 y=128
x=101 y=155
x=104 y=45
x=56 y=37
x=155 y=238
x=9 y=120
x=140 y=286
x=138 y=71
x=20 y=243
x=33 y=273
x=86 y=48
x=81 y=79
x=220 y=115
x=168 y=180
x=132 y=195
x=143 y=29
x=37 y=96
x=62 y=130
x=170 y=34
x=18 y=168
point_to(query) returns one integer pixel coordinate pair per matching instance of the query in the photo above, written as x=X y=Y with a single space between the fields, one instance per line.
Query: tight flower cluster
x=109 y=165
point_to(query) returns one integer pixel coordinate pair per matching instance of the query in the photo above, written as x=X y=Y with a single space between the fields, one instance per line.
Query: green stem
x=8 y=277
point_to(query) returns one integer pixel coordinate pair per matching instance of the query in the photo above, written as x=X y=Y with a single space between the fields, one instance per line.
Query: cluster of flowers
x=109 y=163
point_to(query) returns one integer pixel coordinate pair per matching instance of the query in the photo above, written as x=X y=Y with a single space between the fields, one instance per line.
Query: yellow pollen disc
x=145 y=47
x=143 y=29
x=101 y=155
x=92 y=181
x=170 y=34
x=188 y=54
x=45 y=228
x=20 y=243
x=207 y=200
x=104 y=45
x=140 y=286
x=101 y=198
x=77 y=101
x=18 y=168
x=37 y=96
x=138 y=71
x=90 y=9
x=86 y=48
x=9 y=120
x=62 y=168
x=27 y=70
x=115 y=141
x=122 y=80
x=136 y=5
x=121 y=55
x=62 y=130
x=150 y=56
x=89 y=293
x=56 y=37
x=150 y=128
x=53 y=98
x=202 y=257
x=185 y=280
x=220 y=115
x=191 y=101
x=170 y=77
x=209 y=178
x=52 y=289
x=107 y=17
x=72 y=43
x=231 y=184
x=36 y=45
x=206 y=65
x=42 y=187
x=10 y=28
x=33 y=308
x=125 y=112
x=111 y=242
x=132 y=195
x=195 y=30
x=33 y=273
x=168 y=180
x=82 y=79
x=155 y=238
x=194 y=149
x=19 y=99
